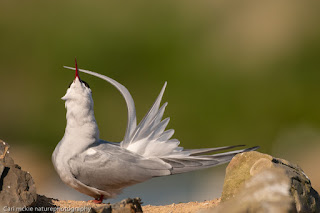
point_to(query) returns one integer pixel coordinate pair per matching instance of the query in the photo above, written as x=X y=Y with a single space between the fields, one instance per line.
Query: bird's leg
x=98 y=200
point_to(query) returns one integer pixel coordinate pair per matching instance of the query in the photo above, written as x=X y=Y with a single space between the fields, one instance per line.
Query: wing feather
x=150 y=137
x=165 y=136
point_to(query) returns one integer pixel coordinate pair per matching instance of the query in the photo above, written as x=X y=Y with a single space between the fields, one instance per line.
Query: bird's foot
x=98 y=200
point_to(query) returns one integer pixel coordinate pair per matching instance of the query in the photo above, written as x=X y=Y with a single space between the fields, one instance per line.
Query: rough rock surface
x=257 y=182
x=238 y=171
x=125 y=206
x=17 y=188
x=268 y=191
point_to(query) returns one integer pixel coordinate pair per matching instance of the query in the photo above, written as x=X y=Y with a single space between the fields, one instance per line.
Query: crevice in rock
x=274 y=160
x=3 y=175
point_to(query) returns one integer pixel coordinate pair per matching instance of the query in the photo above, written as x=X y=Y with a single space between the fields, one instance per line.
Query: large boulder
x=257 y=182
x=17 y=189
x=268 y=191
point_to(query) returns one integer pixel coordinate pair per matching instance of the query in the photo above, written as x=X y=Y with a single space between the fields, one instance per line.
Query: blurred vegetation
x=238 y=72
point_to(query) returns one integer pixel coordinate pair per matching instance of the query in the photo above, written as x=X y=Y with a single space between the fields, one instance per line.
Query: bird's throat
x=81 y=122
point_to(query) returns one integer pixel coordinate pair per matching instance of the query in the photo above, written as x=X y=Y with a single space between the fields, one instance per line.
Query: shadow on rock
x=44 y=204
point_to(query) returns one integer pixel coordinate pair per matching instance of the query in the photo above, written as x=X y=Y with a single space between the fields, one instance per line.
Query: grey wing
x=110 y=168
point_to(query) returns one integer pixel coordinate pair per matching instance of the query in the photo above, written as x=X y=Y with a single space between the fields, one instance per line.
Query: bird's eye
x=86 y=84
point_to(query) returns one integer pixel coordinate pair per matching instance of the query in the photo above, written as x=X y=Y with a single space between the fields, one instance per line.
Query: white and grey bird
x=102 y=169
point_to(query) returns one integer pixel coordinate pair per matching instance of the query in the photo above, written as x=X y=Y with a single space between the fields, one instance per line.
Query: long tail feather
x=191 y=163
x=192 y=152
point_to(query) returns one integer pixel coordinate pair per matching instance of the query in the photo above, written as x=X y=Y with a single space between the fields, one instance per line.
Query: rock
x=17 y=188
x=103 y=209
x=268 y=191
x=1 y=169
x=44 y=204
x=238 y=171
x=125 y=206
x=4 y=154
x=263 y=182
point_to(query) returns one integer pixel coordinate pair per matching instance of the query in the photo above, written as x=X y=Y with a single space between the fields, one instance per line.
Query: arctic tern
x=102 y=169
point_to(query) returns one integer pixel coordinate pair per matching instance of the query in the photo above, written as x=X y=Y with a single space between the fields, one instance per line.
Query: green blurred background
x=238 y=72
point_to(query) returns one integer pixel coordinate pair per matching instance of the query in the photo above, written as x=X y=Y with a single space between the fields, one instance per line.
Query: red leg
x=99 y=200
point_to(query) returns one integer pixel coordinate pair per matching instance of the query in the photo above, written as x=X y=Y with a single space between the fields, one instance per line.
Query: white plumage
x=102 y=169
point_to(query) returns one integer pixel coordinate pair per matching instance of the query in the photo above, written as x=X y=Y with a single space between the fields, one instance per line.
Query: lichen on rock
x=238 y=171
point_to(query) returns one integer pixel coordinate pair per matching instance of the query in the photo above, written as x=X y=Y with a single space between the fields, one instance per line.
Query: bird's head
x=78 y=90
x=80 y=114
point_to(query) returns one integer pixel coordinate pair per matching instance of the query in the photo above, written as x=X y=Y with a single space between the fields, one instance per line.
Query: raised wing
x=150 y=139
x=132 y=119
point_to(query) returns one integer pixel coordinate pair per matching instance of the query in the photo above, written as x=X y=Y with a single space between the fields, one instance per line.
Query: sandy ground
x=191 y=207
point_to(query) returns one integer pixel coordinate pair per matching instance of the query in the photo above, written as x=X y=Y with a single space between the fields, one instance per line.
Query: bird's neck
x=82 y=129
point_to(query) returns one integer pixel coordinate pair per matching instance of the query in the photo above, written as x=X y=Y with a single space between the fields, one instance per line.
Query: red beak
x=77 y=71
